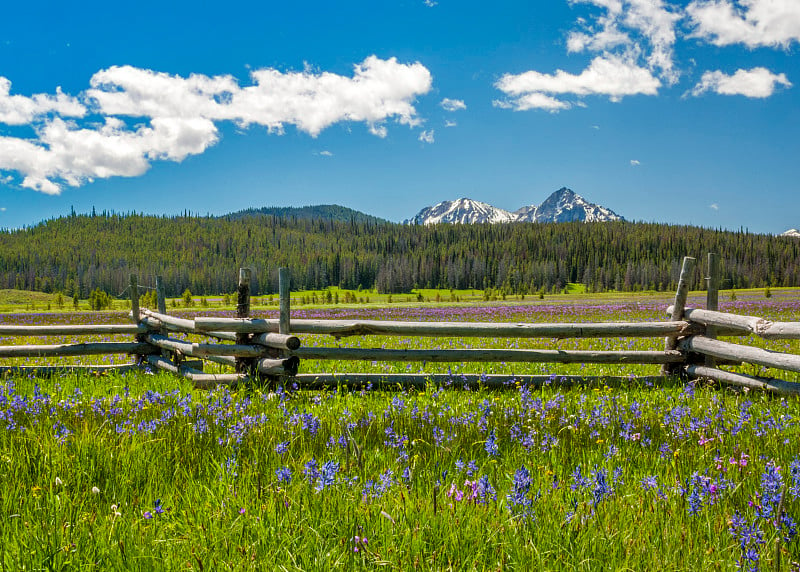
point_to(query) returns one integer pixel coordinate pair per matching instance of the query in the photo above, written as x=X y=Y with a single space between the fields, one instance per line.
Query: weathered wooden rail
x=269 y=348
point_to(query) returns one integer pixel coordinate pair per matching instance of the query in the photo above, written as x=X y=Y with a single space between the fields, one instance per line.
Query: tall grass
x=141 y=472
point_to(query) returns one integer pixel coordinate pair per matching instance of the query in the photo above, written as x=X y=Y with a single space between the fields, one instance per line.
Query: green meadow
x=143 y=472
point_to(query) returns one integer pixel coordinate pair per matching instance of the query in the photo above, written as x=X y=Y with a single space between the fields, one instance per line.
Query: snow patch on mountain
x=793 y=232
x=465 y=211
x=564 y=205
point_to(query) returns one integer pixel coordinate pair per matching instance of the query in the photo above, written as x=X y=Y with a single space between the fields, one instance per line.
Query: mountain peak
x=564 y=205
x=463 y=210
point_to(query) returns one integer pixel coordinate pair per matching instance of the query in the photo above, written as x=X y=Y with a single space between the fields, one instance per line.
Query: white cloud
x=596 y=127
x=635 y=163
x=430 y=3
x=3 y=209
x=609 y=75
x=326 y=153
x=755 y=83
x=20 y=110
x=754 y=23
x=448 y=123
x=179 y=116
x=636 y=26
x=426 y=136
x=714 y=206
x=632 y=45
x=65 y=152
x=452 y=104
x=378 y=90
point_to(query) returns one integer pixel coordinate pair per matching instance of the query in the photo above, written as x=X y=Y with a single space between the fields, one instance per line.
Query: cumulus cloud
x=632 y=49
x=426 y=136
x=754 y=23
x=646 y=26
x=714 y=206
x=632 y=42
x=448 y=123
x=326 y=153
x=180 y=114
x=20 y=110
x=453 y=104
x=755 y=83
x=635 y=163
x=613 y=76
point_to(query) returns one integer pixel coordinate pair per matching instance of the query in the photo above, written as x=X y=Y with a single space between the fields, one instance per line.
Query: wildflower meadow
x=140 y=471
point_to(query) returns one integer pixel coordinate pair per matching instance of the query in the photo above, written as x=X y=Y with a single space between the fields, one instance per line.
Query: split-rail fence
x=270 y=349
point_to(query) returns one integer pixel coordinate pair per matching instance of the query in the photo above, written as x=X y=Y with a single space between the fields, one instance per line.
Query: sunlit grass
x=143 y=472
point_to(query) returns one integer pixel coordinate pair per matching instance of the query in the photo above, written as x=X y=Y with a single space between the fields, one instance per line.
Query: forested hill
x=317 y=212
x=79 y=253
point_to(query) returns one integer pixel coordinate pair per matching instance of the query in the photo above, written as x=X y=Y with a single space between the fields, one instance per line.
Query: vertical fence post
x=243 y=311
x=134 y=288
x=161 y=302
x=161 y=299
x=681 y=294
x=283 y=291
x=712 y=298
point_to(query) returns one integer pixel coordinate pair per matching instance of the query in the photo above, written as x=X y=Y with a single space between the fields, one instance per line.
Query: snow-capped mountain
x=564 y=205
x=793 y=232
x=464 y=211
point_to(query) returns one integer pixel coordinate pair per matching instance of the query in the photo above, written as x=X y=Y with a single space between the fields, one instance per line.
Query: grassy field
x=143 y=472
x=15 y=301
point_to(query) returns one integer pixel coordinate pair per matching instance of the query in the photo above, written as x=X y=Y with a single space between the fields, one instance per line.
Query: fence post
x=134 y=288
x=243 y=311
x=161 y=302
x=283 y=291
x=681 y=294
x=161 y=299
x=712 y=299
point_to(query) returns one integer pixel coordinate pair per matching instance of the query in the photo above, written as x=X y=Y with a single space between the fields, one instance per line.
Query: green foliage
x=187 y=298
x=77 y=254
x=99 y=300
x=318 y=212
x=149 y=300
x=767 y=292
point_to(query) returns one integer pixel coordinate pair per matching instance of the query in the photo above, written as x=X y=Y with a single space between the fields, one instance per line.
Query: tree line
x=77 y=254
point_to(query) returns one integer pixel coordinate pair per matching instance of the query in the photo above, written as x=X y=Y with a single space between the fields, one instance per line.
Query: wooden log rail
x=71 y=350
x=731 y=324
x=72 y=330
x=343 y=328
x=491 y=355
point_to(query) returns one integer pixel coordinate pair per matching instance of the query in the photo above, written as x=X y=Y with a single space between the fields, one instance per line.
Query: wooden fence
x=257 y=349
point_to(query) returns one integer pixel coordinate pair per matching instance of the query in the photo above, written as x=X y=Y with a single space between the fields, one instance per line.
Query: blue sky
x=678 y=112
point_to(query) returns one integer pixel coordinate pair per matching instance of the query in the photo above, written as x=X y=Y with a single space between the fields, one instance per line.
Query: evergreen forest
x=77 y=254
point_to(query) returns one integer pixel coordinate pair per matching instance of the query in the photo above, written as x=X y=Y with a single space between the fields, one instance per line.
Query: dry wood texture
x=732 y=324
x=81 y=349
x=73 y=330
x=343 y=328
x=492 y=355
x=725 y=350
x=773 y=385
